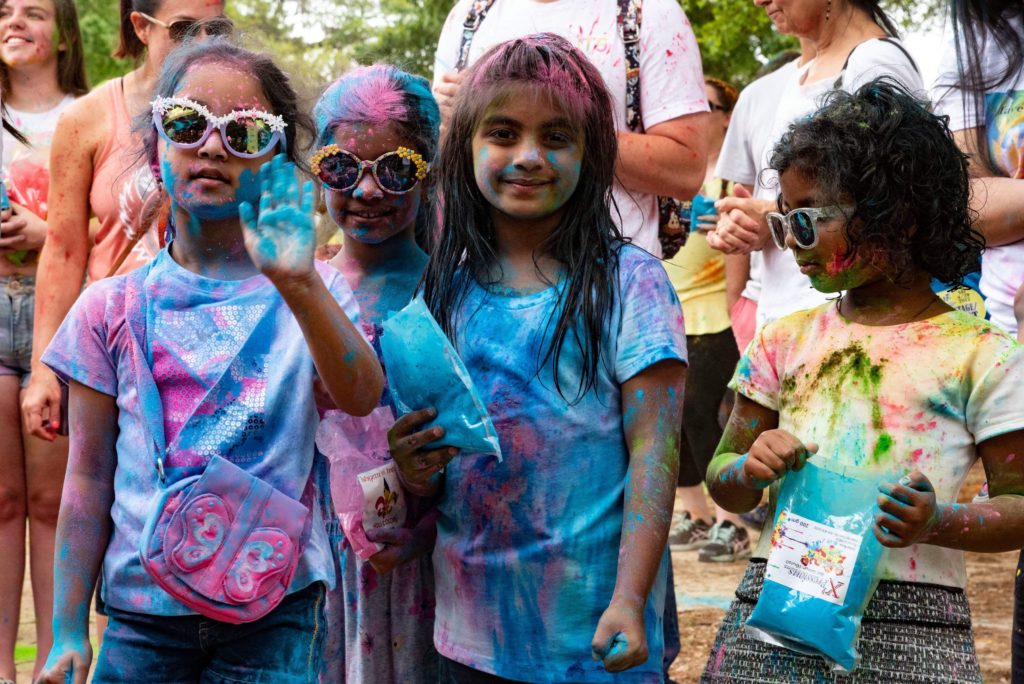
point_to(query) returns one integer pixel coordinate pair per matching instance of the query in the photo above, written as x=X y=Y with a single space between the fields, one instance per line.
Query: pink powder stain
x=668 y=53
x=924 y=427
x=838 y=264
x=379 y=101
x=1010 y=458
x=916 y=455
x=913 y=561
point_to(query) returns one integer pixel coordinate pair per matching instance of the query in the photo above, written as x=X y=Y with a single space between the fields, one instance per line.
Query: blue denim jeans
x=284 y=646
x=17 y=301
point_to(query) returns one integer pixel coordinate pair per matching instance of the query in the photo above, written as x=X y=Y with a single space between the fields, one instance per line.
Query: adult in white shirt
x=854 y=43
x=668 y=158
x=983 y=96
x=740 y=163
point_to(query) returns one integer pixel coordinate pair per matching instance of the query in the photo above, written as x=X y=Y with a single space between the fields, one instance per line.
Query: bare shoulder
x=86 y=121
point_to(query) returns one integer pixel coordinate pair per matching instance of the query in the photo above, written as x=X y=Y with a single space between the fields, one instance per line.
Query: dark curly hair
x=881 y=151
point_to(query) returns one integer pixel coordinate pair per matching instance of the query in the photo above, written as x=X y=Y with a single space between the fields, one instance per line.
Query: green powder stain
x=849 y=369
x=882 y=447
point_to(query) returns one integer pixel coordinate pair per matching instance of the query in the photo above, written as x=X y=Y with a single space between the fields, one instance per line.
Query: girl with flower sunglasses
x=205 y=361
x=378 y=130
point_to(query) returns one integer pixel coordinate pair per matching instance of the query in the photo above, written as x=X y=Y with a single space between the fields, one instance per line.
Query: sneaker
x=726 y=543
x=688 y=534
x=755 y=518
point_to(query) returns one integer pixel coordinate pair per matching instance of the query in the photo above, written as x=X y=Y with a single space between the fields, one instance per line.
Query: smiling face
x=28 y=33
x=526 y=160
x=367 y=213
x=208 y=181
x=827 y=264
x=157 y=38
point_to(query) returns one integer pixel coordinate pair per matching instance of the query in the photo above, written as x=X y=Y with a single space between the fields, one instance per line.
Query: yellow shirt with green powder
x=894 y=398
x=697 y=273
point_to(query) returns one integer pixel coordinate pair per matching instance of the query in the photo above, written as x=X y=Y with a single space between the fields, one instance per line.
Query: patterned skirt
x=911 y=633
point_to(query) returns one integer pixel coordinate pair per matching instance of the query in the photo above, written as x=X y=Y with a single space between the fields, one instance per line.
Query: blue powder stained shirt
x=527 y=549
x=260 y=414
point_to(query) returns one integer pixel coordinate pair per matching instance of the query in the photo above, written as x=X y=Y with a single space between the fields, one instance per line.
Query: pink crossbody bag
x=226 y=543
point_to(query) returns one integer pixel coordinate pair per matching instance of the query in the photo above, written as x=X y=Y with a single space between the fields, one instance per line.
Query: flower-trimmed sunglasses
x=184 y=28
x=802 y=223
x=246 y=133
x=396 y=172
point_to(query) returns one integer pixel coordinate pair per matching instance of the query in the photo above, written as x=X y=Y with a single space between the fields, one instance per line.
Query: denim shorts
x=17 y=301
x=285 y=646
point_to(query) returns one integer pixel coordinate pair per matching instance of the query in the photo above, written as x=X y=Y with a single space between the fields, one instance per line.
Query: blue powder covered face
x=822 y=567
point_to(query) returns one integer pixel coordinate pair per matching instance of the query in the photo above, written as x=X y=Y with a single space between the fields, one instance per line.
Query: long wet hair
x=975 y=23
x=274 y=83
x=881 y=150
x=71 y=60
x=585 y=243
x=382 y=94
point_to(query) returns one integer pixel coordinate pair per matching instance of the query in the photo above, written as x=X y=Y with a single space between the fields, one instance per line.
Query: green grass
x=24 y=653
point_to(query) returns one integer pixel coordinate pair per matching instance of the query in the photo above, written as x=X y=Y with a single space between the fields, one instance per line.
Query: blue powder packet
x=823 y=564
x=424 y=370
x=701 y=206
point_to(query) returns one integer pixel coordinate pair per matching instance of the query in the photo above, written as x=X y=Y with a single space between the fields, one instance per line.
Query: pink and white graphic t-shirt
x=891 y=398
x=1002 y=268
x=671 y=76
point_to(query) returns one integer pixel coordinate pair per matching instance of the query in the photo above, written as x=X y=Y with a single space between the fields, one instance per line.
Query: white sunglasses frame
x=814 y=213
x=277 y=125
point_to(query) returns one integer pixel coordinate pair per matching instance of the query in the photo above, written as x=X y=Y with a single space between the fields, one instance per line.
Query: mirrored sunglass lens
x=778 y=230
x=249 y=135
x=396 y=173
x=803 y=228
x=339 y=171
x=183 y=125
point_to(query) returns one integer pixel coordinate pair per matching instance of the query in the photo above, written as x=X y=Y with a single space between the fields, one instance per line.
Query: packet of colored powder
x=424 y=370
x=823 y=564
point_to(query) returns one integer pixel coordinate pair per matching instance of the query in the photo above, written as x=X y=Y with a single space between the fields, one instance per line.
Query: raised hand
x=281 y=240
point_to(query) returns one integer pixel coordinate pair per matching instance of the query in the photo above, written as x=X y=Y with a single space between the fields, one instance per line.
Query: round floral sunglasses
x=396 y=172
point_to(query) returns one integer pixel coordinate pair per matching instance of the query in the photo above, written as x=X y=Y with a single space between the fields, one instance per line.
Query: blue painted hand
x=281 y=239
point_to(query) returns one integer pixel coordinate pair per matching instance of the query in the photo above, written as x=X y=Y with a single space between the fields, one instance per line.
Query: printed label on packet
x=812 y=558
x=383 y=498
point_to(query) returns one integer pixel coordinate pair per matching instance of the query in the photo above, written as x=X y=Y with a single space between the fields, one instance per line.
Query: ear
x=142 y=27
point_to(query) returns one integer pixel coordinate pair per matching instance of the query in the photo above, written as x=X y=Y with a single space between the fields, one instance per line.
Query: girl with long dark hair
x=545 y=562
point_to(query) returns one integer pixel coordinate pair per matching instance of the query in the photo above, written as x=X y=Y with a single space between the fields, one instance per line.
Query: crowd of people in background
x=667 y=292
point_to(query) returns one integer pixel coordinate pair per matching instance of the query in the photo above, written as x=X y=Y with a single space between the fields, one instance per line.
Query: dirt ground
x=704 y=591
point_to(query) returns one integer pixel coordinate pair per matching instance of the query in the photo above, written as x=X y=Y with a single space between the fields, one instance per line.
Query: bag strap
x=896 y=43
x=477 y=11
x=629 y=18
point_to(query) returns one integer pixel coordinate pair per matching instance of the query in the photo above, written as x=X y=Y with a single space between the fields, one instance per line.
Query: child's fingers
x=247 y=214
x=894 y=506
x=307 y=197
x=917 y=481
x=392 y=536
x=886 y=538
x=407 y=424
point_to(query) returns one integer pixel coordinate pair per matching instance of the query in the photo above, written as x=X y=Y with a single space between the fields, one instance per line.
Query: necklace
x=912 y=319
